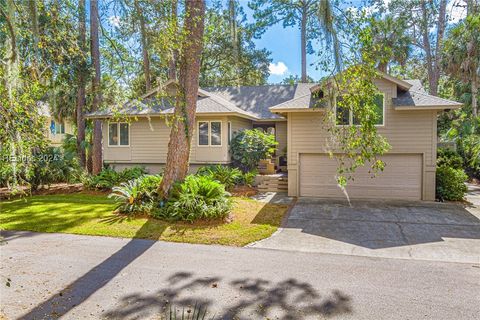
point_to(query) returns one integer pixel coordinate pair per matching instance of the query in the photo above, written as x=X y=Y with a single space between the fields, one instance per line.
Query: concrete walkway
x=406 y=230
x=85 y=277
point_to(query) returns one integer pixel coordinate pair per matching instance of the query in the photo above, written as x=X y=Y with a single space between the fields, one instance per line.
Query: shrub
x=248 y=178
x=248 y=147
x=197 y=197
x=137 y=195
x=227 y=176
x=132 y=173
x=450 y=183
x=54 y=166
x=449 y=158
x=108 y=177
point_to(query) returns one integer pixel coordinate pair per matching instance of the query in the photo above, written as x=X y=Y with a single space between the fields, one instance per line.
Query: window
x=345 y=116
x=118 y=134
x=210 y=133
x=203 y=133
x=57 y=127
x=216 y=133
x=229 y=132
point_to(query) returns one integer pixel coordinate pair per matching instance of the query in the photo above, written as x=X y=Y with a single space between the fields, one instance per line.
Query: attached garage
x=401 y=179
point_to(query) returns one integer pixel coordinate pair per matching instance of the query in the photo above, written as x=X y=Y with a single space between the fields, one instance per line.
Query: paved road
x=84 y=277
x=408 y=230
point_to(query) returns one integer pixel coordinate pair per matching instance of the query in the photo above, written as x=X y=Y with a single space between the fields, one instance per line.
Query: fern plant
x=197 y=197
x=227 y=176
x=137 y=195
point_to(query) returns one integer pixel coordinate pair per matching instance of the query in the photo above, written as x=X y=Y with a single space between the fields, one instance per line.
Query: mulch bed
x=243 y=191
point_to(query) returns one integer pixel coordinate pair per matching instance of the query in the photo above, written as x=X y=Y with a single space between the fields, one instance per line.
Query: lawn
x=91 y=214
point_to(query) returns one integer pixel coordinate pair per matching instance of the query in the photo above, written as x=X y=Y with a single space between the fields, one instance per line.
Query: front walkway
x=87 y=277
x=407 y=230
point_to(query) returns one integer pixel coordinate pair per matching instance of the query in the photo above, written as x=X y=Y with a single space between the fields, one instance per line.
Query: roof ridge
x=265 y=85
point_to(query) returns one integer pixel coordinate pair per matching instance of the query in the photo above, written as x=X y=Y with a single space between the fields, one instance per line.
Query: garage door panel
x=401 y=178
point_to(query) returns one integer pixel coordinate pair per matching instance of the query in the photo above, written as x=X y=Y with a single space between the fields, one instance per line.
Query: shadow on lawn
x=255 y=298
x=78 y=291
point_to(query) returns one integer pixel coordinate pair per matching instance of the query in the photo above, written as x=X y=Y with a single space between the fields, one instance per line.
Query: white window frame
x=229 y=129
x=350 y=117
x=209 y=145
x=118 y=145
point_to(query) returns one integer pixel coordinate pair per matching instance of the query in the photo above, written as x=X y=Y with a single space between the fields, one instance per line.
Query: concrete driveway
x=407 y=230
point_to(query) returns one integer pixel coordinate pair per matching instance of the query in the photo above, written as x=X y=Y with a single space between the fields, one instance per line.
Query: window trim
x=229 y=129
x=118 y=145
x=209 y=145
x=350 y=116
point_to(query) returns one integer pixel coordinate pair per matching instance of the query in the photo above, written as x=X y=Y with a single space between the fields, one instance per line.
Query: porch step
x=273 y=183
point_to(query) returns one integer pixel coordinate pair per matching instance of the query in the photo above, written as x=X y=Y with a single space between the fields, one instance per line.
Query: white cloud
x=278 y=68
x=114 y=21
x=456 y=10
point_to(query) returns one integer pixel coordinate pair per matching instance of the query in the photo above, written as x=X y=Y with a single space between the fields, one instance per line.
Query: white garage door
x=401 y=179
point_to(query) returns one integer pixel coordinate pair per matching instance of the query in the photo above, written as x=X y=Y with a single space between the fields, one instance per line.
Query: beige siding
x=408 y=132
x=149 y=143
x=239 y=124
x=281 y=136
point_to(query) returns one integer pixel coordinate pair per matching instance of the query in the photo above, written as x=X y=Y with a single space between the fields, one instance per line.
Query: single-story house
x=55 y=130
x=408 y=121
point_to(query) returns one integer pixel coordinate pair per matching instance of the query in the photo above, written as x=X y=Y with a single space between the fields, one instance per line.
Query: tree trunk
x=472 y=8
x=35 y=35
x=303 y=36
x=441 y=24
x=97 y=94
x=474 y=94
x=144 y=41
x=81 y=84
x=427 y=47
x=186 y=103
x=234 y=36
x=172 y=65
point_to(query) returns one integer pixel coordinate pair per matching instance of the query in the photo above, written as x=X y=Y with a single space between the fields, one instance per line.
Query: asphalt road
x=84 y=277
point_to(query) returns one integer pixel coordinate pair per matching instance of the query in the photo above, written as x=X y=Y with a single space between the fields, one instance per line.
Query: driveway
x=86 y=277
x=407 y=230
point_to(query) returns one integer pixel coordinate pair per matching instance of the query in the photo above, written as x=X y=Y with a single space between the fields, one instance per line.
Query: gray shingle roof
x=157 y=106
x=258 y=99
x=418 y=97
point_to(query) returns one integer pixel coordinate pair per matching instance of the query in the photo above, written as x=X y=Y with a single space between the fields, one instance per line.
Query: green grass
x=92 y=214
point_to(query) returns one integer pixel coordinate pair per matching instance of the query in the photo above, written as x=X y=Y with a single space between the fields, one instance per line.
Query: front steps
x=272 y=183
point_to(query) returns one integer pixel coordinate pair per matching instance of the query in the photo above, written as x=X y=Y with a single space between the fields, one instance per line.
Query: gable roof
x=264 y=102
x=258 y=100
x=410 y=96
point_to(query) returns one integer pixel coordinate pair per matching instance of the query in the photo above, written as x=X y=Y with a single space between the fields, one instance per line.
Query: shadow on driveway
x=261 y=299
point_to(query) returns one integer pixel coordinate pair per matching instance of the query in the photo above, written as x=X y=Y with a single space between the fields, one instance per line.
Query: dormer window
x=345 y=117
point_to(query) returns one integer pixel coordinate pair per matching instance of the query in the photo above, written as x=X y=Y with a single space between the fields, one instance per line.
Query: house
x=55 y=130
x=409 y=122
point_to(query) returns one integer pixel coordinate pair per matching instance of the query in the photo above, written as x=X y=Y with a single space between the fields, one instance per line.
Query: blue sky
x=284 y=45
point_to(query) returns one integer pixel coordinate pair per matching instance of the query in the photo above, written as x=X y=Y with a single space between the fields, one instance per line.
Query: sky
x=284 y=44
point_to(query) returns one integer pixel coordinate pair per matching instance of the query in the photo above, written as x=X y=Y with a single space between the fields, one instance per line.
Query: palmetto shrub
x=108 y=177
x=137 y=195
x=226 y=175
x=197 y=197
